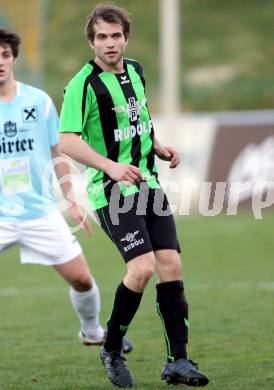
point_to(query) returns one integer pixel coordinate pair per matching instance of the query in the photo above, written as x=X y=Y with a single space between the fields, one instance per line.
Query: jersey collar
x=98 y=69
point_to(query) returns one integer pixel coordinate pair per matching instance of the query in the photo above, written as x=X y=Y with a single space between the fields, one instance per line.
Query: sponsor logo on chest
x=133 y=110
x=10 y=144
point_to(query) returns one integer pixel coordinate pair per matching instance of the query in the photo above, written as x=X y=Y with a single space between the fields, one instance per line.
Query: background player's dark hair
x=109 y=14
x=11 y=39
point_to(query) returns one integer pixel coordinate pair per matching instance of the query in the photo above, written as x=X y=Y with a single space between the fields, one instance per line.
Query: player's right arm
x=72 y=122
x=73 y=146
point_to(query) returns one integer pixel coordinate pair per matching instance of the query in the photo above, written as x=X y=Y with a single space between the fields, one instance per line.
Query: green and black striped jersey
x=110 y=111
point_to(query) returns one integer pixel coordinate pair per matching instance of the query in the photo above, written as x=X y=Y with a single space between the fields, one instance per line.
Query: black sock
x=126 y=303
x=172 y=308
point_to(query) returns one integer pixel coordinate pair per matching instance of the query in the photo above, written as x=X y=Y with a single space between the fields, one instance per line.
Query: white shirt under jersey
x=28 y=131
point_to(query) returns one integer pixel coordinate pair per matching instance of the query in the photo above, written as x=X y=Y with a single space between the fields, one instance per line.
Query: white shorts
x=46 y=240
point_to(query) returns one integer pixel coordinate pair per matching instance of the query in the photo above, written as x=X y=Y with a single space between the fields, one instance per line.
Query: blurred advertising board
x=227 y=161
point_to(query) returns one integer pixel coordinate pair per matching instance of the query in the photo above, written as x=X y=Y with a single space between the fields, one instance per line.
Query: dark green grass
x=228 y=267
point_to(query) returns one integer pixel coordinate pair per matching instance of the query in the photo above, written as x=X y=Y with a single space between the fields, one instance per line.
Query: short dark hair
x=109 y=14
x=11 y=39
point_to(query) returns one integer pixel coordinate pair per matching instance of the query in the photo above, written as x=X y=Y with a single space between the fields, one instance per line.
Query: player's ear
x=91 y=44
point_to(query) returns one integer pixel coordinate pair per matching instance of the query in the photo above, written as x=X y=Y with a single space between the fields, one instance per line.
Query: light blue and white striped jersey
x=28 y=130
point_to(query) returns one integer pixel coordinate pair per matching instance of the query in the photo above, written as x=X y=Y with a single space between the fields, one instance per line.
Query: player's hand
x=125 y=173
x=168 y=153
x=80 y=218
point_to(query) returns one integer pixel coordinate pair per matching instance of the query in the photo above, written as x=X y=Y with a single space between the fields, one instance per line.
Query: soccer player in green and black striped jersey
x=106 y=125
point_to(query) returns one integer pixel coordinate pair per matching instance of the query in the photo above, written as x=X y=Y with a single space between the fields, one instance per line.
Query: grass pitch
x=228 y=267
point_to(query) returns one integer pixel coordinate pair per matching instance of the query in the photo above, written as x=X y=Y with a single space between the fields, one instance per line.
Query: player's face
x=7 y=62
x=109 y=44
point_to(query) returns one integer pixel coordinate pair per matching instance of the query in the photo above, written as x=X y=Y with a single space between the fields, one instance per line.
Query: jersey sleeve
x=139 y=70
x=52 y=122
x=72 y=117
x=141 y=73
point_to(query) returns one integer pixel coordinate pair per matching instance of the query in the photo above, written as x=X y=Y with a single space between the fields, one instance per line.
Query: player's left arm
x=167 y=153
x=63 y=173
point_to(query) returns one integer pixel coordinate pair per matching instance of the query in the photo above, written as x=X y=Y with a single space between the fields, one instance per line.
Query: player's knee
x=148 y=272
x=82 y=283
x=176 y=268
x=145 y=272
x=140 y=271
x=172 y=267
x=141 y=274
x=141 y=278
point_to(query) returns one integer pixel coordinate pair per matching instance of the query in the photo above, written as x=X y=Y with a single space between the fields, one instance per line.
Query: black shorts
x=139 y=223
